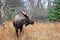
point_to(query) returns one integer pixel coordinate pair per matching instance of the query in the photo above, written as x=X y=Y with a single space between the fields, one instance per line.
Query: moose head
x=27 y=20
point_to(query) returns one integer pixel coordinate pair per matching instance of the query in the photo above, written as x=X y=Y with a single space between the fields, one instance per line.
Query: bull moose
x=19 y=22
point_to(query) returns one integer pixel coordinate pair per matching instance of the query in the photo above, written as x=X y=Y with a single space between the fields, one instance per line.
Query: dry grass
x=38 y=31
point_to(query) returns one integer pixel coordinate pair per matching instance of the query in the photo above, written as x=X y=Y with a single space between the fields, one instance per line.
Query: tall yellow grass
x=38 y=31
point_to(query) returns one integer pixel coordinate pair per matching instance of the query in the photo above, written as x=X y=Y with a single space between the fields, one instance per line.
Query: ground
x=38 y=31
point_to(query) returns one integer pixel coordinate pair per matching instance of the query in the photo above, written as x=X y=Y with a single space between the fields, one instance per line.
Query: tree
x=2 y=10
x=54 y=15
x=0 y=18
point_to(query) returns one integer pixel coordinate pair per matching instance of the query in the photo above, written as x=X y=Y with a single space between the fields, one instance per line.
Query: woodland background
x=39 y=10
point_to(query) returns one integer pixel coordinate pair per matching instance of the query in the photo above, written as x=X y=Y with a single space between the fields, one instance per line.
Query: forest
x=37 y=9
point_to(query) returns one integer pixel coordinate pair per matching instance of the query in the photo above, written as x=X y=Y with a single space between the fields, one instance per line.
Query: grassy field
x=38 y=31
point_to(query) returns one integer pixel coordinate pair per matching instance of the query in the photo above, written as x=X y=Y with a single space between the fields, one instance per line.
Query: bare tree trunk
x=0 y=18
x=49 y=3
x=0 y=13
x=2 y=7
x=2 y=10
x=41 y=10
x=32 y=3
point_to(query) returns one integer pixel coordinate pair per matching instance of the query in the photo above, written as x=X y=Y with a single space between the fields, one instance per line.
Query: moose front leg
x=21 y=28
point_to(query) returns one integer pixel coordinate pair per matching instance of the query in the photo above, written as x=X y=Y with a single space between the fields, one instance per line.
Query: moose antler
x=24 y=14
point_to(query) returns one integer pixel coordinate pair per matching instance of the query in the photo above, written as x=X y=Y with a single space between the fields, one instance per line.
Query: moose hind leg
x=16 y=32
